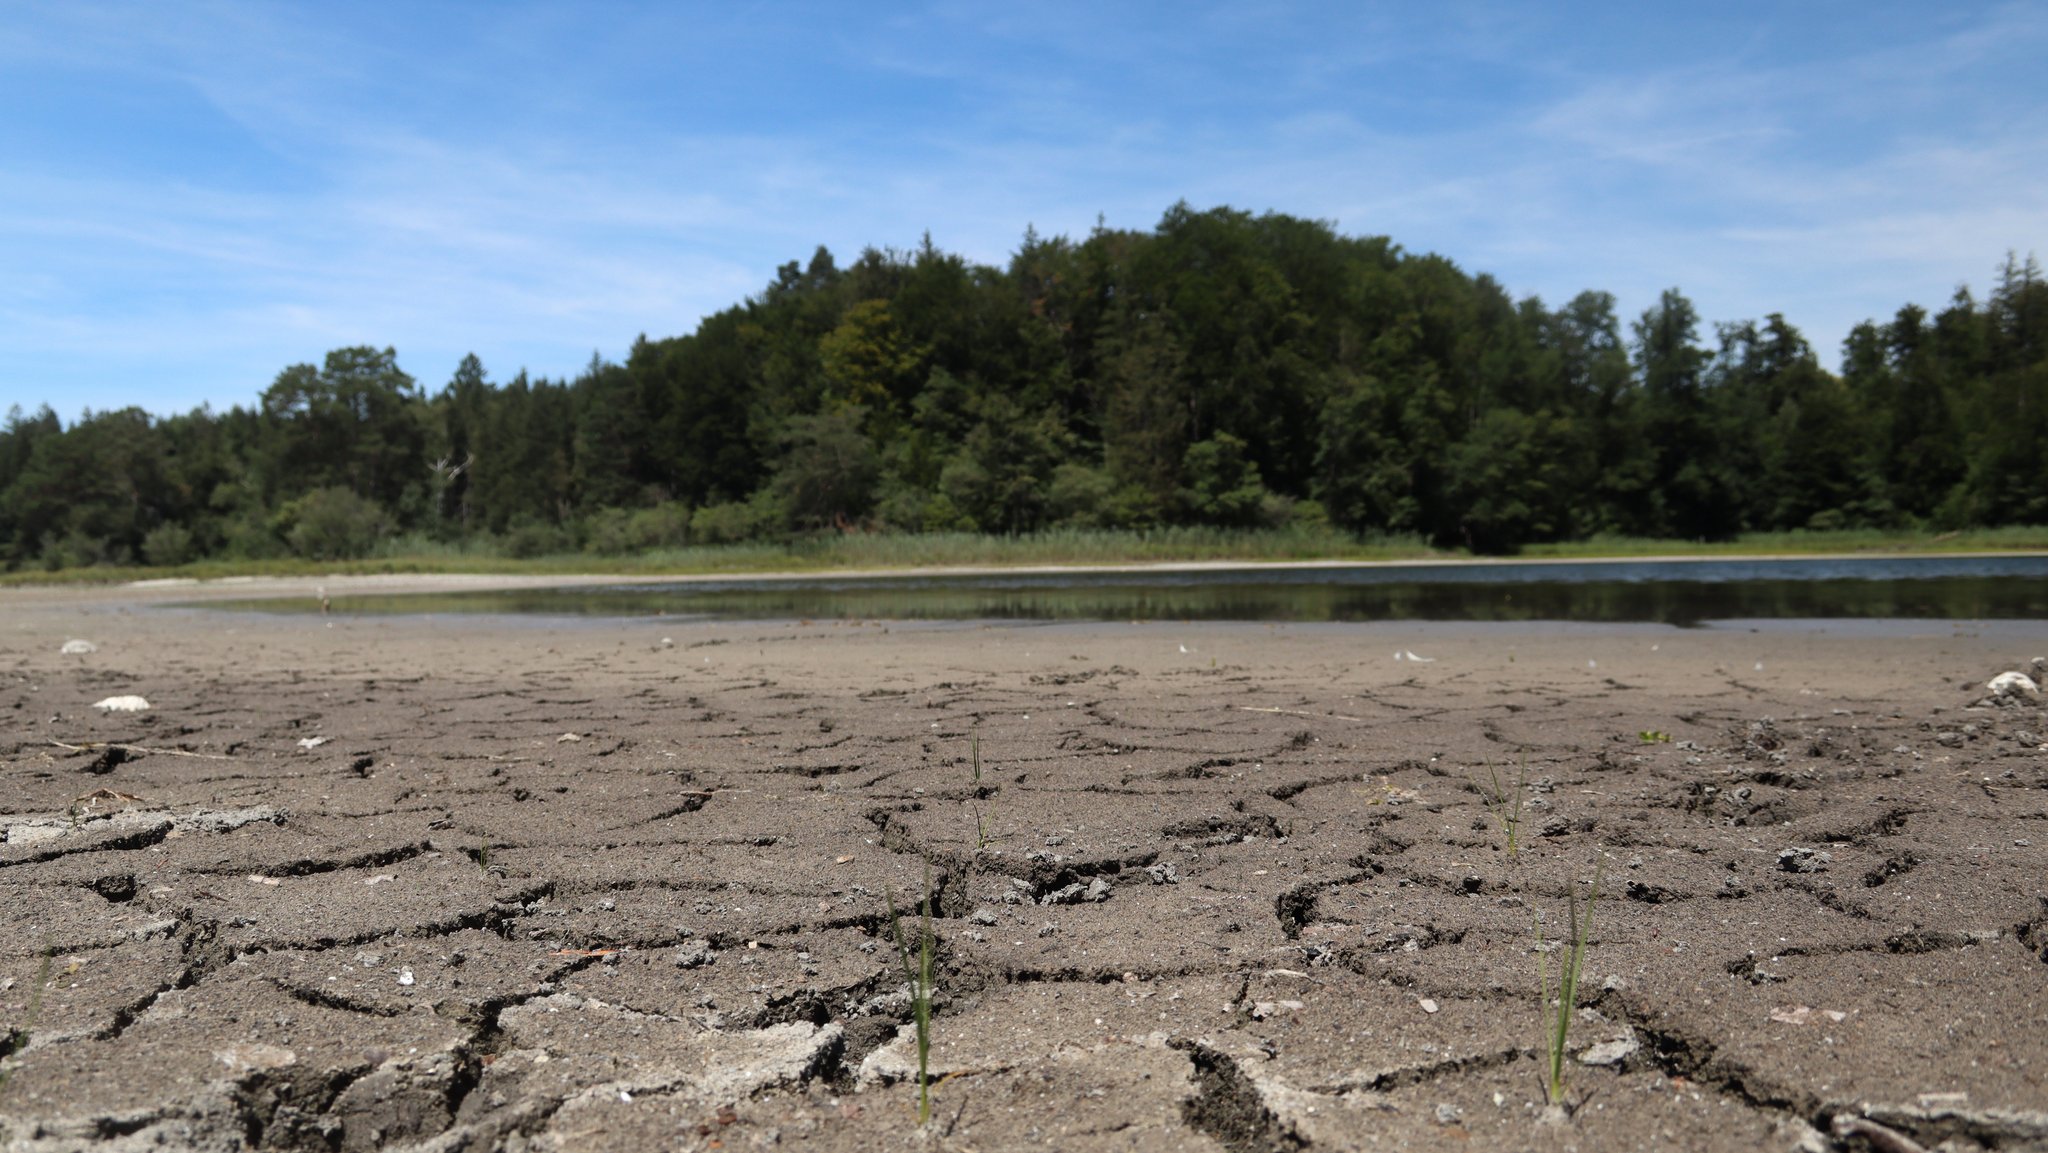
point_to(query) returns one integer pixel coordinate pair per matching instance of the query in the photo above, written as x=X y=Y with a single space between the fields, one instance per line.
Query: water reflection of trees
x=1665 y=602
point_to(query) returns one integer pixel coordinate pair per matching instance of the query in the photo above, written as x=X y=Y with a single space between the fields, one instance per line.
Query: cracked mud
x=534 y=885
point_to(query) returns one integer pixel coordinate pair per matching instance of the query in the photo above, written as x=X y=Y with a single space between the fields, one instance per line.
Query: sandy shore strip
x=481 y=883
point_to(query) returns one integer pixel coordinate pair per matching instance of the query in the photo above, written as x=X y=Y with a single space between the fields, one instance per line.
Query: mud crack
x=1227 y=1105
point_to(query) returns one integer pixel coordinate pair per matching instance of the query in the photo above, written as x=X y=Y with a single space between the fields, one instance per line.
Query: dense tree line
x=1221 y=368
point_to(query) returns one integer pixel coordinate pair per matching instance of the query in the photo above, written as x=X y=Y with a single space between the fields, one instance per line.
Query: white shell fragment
x=122 y=704
x=1611 y=1052
x=2012 y=685
x=244 y=1056
x=311 y=742
x=74 y=648
x=29 y=832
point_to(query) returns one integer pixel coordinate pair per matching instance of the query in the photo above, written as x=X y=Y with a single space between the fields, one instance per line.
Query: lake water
x=1666 y=592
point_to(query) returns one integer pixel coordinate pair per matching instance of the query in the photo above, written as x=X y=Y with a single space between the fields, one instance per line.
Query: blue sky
x=194 y=196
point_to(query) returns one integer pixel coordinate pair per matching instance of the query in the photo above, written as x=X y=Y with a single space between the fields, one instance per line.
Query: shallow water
x=1666 y=592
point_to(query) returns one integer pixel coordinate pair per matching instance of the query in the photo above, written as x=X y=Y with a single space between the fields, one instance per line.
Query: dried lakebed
x=356 y=884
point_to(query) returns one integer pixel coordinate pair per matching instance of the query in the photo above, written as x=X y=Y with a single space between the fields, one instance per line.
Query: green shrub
x=829 y=470
x=79 y=549
x=736 y=520
x=169 y=544
x=252 y=537
x=1079 y=496
x=333 y=523
x=1301 y=515
x=619 y=531
x=1223 y=486
x=905 y=508
x=532 y=538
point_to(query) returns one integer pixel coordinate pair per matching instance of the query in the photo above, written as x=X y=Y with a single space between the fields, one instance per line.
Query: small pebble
x=1803 y=860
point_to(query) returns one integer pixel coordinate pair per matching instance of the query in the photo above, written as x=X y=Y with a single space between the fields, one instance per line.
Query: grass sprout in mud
x=1558 y=1005
x=982 y=837
x=1507 y=807
x=917 y=971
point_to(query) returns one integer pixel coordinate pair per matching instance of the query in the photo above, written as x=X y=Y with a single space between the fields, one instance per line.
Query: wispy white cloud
x=533 y=183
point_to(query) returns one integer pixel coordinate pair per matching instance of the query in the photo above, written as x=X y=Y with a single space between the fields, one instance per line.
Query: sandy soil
x=475 y=884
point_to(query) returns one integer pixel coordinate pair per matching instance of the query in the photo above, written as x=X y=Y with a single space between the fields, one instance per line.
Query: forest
x=1221 y=369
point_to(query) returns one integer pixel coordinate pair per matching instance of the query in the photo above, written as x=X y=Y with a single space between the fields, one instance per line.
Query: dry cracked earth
x=532 y=885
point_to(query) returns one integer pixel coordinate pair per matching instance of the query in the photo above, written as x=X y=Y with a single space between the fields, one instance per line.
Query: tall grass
x=1803 y=542
x=1107 y=546
x=419 y=553
x=415 y=553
